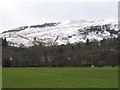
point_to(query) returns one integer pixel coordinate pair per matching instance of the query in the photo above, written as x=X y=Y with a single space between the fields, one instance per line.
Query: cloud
x=16 y=13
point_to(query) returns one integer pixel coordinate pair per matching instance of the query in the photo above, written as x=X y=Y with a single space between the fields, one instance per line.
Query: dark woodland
x=99 y=54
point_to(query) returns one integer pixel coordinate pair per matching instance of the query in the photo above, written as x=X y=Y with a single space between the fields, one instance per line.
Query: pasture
x=60 y=77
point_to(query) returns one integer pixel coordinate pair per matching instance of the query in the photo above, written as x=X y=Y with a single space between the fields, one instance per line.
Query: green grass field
x=0 y=78
x=64 y=77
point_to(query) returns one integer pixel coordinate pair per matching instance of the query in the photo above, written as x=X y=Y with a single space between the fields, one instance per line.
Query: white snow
x=65 y=32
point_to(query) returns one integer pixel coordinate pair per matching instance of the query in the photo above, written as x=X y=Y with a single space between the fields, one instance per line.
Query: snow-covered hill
x=62 y=32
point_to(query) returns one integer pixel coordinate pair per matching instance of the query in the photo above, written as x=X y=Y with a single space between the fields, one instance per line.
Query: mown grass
x=0 y=78
x=62 y=77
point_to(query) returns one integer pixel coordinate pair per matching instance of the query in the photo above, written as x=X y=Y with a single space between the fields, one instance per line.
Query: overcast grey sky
x=15 y=13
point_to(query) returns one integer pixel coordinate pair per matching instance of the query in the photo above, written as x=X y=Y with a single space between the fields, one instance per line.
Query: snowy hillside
x=62 y=32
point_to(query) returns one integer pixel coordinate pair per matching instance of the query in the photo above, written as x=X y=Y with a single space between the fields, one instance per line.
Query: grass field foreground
x=60 y=77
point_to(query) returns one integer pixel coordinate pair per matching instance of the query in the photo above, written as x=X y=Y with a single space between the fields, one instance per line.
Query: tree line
x=103 y=53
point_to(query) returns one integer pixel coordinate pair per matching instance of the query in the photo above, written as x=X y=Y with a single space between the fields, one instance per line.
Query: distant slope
x=62 y=32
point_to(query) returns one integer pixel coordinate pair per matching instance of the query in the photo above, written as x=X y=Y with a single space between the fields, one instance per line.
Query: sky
x=15 y=13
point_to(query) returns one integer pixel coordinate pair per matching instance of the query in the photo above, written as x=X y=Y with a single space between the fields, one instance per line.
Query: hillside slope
x=65 y=32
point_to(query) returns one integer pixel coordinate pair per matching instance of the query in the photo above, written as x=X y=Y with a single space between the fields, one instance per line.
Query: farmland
x=60 y=77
